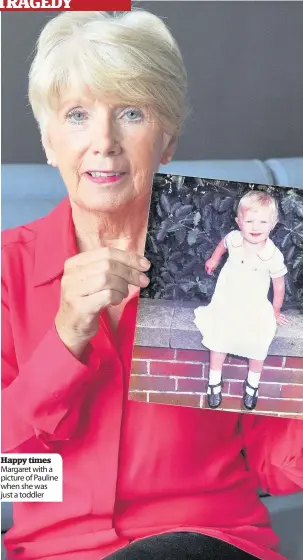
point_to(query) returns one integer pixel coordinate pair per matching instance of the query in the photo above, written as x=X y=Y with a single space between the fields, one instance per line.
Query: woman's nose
x=106 y=139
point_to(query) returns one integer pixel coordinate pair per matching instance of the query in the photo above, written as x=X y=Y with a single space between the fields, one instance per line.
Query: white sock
x=213 y=379
x=254 y=380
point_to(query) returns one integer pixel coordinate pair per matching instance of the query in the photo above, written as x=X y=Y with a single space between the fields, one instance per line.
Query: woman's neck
x=121 y=230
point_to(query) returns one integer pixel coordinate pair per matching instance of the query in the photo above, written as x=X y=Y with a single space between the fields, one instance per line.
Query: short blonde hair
x=131 y=56
x=253 y=200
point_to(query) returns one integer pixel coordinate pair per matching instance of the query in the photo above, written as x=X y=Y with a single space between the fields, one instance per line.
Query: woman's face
x=106 y=152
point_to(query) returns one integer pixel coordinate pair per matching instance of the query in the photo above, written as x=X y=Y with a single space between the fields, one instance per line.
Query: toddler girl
x=240 y=319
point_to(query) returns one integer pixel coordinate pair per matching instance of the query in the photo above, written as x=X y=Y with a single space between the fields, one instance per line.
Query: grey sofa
x=30 y=191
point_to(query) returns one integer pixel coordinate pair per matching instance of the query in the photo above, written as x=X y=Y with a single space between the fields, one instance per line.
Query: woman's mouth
x=104 y=177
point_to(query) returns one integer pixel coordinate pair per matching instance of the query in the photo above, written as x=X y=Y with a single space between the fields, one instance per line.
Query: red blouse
x=130 y=469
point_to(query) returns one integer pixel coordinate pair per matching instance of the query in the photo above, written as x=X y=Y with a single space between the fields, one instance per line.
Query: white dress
x=240 y=319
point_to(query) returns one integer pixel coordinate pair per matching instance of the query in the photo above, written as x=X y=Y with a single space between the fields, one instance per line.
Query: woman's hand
x=280 y=318
x=211 y=265
x=92 y=281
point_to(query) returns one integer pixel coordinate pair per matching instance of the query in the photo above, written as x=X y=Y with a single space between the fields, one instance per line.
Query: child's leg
x=254 y=373
x=216 y=361
x=251 y=384
x=214 y=388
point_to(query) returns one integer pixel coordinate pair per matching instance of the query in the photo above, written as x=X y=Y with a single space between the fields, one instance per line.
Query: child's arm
x=212 y=263
x=279 y=292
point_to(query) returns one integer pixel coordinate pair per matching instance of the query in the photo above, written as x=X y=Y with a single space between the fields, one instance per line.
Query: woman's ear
x=169 y=148
x=51 y=159
x=237 y=220
x=49 y=152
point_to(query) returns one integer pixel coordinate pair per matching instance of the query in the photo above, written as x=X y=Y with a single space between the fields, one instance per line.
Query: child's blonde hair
x=256 y=199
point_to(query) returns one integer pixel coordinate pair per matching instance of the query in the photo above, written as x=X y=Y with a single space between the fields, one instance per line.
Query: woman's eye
x=76 y=116
x=133 y=115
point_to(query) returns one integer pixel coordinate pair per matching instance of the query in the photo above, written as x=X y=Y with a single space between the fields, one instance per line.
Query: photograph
x=227 y=257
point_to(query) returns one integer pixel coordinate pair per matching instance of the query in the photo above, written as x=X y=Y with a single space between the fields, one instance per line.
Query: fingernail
x=144 y=280
x=145 y=263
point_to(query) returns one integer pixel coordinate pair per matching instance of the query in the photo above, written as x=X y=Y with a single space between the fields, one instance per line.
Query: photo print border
x=188 y=217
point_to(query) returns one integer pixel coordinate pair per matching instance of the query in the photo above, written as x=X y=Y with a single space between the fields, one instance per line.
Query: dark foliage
x=189 y=216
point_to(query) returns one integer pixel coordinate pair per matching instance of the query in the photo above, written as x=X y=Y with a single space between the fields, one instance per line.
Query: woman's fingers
x=91 y=282
x=132 y=260
x=101 y=276
x=104 y=298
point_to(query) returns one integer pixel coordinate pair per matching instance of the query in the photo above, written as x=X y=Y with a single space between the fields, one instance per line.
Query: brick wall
x=179 y=377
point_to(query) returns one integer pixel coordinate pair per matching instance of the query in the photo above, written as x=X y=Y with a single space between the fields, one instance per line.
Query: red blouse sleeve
x=43 y=396
x=273 y=449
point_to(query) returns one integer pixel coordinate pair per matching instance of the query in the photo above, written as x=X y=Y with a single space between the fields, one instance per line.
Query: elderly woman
x=140 y=480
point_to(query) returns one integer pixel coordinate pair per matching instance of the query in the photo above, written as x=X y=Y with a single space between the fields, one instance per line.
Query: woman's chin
x=106 y=202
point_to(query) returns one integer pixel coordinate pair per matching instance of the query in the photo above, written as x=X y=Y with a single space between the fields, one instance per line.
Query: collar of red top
x=55 y=243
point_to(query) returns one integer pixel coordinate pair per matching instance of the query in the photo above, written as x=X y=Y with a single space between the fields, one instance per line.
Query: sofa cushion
x=247 y=171
x=29 y=191
x=24 y=180
x=287 y=172
x=6 y=516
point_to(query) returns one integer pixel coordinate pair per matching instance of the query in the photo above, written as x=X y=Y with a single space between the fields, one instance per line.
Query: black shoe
x=214 y=399
x=250 y=401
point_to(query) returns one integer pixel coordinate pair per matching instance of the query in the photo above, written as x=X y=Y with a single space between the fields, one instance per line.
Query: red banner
x=63 y=5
